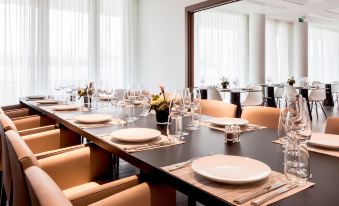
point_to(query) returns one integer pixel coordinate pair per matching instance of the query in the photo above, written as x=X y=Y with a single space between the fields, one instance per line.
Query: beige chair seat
x=77 y=172
x=44 y=191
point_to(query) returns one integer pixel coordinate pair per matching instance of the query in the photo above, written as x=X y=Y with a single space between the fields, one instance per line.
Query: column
x=300 y=50
x=257 y=48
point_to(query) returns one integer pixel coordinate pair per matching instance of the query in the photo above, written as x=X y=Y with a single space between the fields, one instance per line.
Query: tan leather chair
x=264 y=116
x=217 y=108
x=45 y=192
x=78 y=173
x=332 y=125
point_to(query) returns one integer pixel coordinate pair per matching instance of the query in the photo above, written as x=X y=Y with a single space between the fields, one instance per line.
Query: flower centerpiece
x=224 y=82
x=86 y=93
x=160 y=104
x=291 y=81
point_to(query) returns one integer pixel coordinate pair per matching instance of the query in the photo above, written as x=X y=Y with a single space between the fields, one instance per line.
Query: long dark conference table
x=256 y=144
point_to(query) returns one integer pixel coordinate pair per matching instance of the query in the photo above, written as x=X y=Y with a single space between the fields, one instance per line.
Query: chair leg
x=3 y=201
x=316 y=109
x=322 y=107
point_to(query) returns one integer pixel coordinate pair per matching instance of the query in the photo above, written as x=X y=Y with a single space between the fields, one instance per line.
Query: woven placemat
x=229 y=192
x=161 y=141
x=334 y=153
x=247 y=128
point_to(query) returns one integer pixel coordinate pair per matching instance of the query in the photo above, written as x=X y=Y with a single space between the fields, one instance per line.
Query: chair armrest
x=145 y=194
x=79 y=166
x=14 y=106
x=36 y=130
x=100 y=192
x=43 y=155
x=51 y=140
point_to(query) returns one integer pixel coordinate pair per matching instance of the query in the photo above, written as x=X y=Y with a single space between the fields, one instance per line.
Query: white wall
x=162 y=42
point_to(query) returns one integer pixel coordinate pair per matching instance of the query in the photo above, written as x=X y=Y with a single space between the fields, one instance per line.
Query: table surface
x=257 y=144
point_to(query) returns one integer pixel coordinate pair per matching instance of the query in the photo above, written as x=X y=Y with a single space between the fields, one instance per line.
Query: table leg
x=191 y=201
x=270 y=97
x=235 y=99
x=203 y=93
x=304 y=94
x=329 y=97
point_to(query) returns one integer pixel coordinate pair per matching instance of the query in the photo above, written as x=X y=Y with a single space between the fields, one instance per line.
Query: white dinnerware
x=226 y=121
x=64 y=107
x=136 y=134
x=36 y=97
x=231 y=169
x=330 y=141
x=93 y=118
x=47 y=101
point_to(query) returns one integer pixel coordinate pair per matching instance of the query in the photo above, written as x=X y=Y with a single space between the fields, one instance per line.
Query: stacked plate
x=136 y=134
x=231 y=169
x=36 y=97
x=47 y=101
x=93 y=118
x=329 y=141
x=64 y=107
x=225 y=121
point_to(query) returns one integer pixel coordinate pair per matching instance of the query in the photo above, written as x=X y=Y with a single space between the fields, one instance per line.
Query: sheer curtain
x=323 y=53
x=45 y=42
x=278 y=57
x=221 y=46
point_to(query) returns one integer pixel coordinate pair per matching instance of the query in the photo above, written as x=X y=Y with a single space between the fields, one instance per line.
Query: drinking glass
x=195 y=109
x=146 y=98
x=174 y=124
x=129 y=98
x=281 y=126
x=297 y=164
x=236 y=83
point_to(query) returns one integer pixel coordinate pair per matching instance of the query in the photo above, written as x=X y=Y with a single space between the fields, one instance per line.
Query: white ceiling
x=323 y=12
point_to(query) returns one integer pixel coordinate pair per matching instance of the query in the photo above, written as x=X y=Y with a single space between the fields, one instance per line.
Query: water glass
x=297 y=164
x=174 y=127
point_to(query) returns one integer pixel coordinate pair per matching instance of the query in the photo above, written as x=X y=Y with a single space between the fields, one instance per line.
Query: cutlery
x=147 y=146
x=183 y=164
x=273 y=195
x=262 y=191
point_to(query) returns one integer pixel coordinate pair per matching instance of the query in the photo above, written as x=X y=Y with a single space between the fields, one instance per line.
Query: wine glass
x=129 y=98
x=146 y=98
x=195 y=109
x=177 y=110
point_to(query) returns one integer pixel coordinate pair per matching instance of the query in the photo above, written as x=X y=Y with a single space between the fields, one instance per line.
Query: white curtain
x=278 y=51
x=323 y=53
x=45 y=42
x=221 y=47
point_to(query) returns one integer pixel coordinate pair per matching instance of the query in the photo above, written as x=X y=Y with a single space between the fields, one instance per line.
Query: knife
x=273 y=195
x=265 y=190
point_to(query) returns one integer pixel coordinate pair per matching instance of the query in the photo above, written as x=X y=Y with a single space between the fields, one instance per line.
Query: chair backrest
x=1 y=111
x=264 y=116
x=21 y=157
x=43 y=191
x=335 y=86
x=6 y=124
x=289 y=92
x=254 y=98
x=332 y=125
x=217 y=108
x=213 y=94
x=279 y=92
x=318 y=94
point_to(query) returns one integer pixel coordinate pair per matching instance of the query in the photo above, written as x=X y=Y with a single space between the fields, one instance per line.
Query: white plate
x=65 y=107
x=93 y=118
x=36 y=97
x=231 y=169
x=136 y=134
x=325 y=140
x=47 y=101
x=224 y=121
x=137 y=102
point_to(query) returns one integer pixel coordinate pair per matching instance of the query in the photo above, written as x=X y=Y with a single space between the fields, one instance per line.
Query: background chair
x=289 y=92
x=335 y=91
x=217 y=108
x=264 y=116
x=44 y=191
x=213 y=94
x=332 y=125
x=254 y=98
x=278 y=94
x=317 y=97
